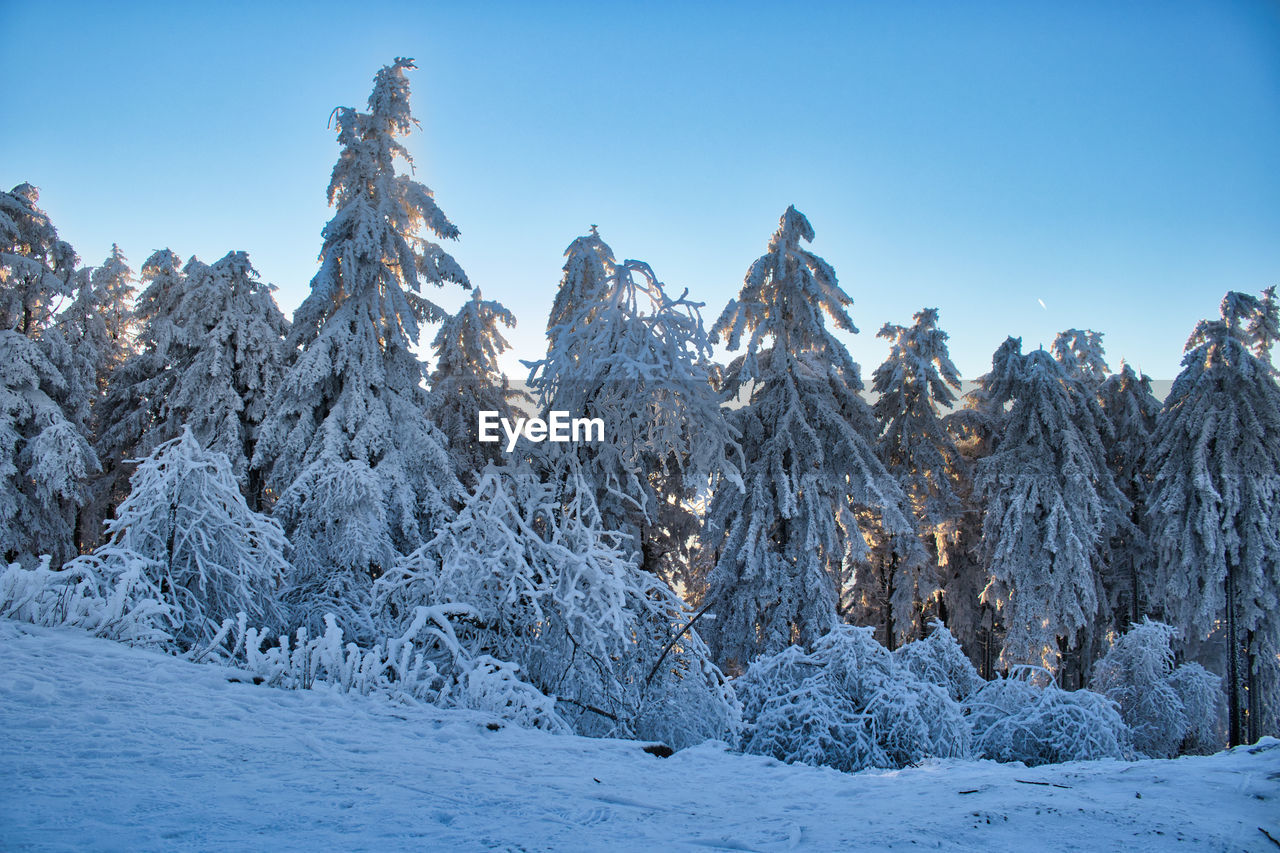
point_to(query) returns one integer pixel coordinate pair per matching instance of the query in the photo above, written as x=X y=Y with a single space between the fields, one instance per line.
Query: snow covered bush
x=110 y=593
x=184 y=552
x=213 y=556
x=1026 y=717
x=1137 y=673
x=938 y=659
x=846 y=704
x=557 y=596
x=425 y=663
x=1203 y=702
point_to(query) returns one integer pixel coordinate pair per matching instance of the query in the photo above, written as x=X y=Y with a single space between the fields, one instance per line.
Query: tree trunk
x=889 y=640
x=1254 y=710
x=1234 y=734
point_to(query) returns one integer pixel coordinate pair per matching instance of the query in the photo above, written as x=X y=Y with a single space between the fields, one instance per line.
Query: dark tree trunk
x=1234 y=733
x=1254 y=709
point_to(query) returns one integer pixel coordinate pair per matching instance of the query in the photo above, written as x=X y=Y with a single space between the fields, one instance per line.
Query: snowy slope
x=107 y=747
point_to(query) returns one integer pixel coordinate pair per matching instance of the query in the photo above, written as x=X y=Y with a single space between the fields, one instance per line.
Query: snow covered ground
x=107 y=747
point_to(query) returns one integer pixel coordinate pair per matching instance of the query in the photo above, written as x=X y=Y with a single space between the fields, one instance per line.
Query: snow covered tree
x=555 y=593
x=588 y=264
x=1214 y=515
x=206 y=553
x=44 y=456
x=360 y=472
x=1081 y=353
x=789 y=541
x=36 y=267
x=467 y=380
x=98 y=327
x=639 y=360
x=1050 y=498
x=913 y=382
x=211 y=356
x=89 y=340
x=224 y=386
x=964 y=574
x=129 y=414
x=1138 y=674
x=1131 y=408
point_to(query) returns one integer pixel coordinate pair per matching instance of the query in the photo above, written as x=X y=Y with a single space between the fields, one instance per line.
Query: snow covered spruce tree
x=38 y=268
x=224 y=391
x=1083 y=359
x=90 y=339
x=1214 y=516
x=964 y=574
x=639 y=360
x=916 y=378
x=361 y=474
x=128 y=417
x=1050 y=498
x=1082 y=355
x=789 y=542
x=588 y=264
x=1131 y=408
x=554 y=592
x=467 y=380
x=96 y=330
x=212 y=354
x=44 y=456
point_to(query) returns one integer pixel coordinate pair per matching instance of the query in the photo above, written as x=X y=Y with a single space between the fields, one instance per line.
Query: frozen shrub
x=110 y=593
x=1027 y=717
x=846 y=704
x=1134 y=674
x=939 y=660
x=426 y=663
x=1164 y=706
x=556 y=595
x=1204 y=706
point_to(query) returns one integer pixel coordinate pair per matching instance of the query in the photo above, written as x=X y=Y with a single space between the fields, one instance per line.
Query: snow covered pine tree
x=467 y=380
x=628 y=353
x=916 y=378
x=1049 y=498
x=44 y=458
x=1214 y=512
x=785 y=543
x=360 y=472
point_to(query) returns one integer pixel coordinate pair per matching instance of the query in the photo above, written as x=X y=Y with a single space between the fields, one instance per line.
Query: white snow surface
x=108 y=747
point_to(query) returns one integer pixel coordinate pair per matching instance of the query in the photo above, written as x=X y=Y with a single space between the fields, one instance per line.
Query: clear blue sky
x=1118 y=161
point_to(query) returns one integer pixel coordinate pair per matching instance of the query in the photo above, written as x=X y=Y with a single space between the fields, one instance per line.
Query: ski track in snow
x=107 y=747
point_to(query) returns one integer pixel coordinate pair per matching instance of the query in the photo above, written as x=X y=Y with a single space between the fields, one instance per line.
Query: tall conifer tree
x=360 y=471
x=786 y=542
x=1214 y=512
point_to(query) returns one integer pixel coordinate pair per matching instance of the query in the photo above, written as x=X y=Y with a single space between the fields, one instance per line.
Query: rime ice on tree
x=1215 y=503
x=1049 y=499
x=360 y=472
x=806 y=440
x=623 y=350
